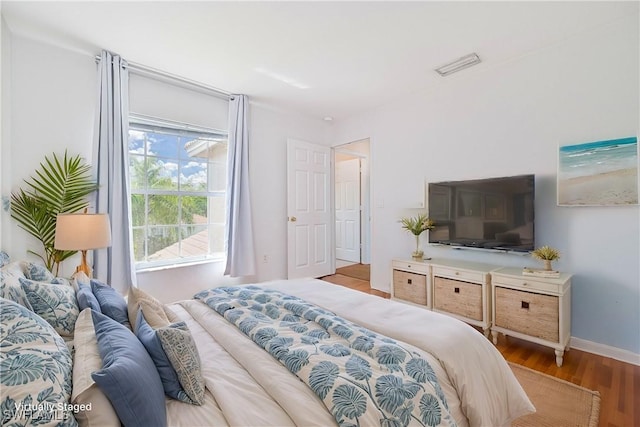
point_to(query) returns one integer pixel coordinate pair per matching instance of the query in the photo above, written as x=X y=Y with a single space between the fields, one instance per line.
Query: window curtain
x=115 y=265
x=239 y=232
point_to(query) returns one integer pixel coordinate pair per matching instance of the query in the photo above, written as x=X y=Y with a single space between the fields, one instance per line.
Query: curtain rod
x=173 y=79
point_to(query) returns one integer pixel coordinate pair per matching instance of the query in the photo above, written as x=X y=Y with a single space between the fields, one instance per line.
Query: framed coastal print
x=600 y=173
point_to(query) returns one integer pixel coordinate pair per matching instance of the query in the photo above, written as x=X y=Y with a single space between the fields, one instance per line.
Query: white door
x=309 y=210
x=347 y=174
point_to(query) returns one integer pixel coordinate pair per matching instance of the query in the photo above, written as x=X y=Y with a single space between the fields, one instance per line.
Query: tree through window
x=178 y=183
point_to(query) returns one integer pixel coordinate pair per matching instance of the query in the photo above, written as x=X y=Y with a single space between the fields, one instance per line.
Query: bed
x=453 y=375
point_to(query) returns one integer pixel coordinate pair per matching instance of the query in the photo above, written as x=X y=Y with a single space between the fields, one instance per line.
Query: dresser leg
x=559 y=357
x=494 y=336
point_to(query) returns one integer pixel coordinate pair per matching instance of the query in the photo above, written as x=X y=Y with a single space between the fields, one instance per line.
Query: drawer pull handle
x=408 y=281
x=457 y=273
x=456 y=290
x=408 y=265
x=525 y=305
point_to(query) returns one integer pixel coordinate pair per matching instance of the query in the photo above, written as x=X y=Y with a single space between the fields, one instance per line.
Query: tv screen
x=492 y=213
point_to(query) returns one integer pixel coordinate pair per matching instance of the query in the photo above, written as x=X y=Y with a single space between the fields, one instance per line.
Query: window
x=178 y=183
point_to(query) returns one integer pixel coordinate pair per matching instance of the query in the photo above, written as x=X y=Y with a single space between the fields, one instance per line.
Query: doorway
x=352 y=207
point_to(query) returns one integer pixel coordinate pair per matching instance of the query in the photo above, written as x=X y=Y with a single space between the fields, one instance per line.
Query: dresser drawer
x=528 y=313
x=410 y=286
x=457 y=297
x=527 y=282
x=456 y=274
x=412 y=266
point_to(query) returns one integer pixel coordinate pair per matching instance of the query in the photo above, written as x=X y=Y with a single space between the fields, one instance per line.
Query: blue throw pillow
x=111 y=302
x=86 y=298
x=128 y=376
x=151 y=342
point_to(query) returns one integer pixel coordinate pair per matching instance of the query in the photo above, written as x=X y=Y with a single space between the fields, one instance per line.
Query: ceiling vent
x=459 y=64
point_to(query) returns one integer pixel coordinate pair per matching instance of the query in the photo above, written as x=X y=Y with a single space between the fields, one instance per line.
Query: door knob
x=293 y=219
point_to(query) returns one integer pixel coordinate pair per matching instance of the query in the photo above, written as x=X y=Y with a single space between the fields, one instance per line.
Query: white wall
x=52 y=104
x=50 y=109
x=510 y=120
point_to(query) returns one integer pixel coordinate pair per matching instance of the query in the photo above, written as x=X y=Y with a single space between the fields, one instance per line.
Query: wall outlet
x=265 y=259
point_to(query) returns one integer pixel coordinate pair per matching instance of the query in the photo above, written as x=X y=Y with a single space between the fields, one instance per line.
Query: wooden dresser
x=410 y=282
x=533 y=308
x=461 y=289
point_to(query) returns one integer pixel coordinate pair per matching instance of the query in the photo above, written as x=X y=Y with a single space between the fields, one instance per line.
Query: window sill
x=151 y=269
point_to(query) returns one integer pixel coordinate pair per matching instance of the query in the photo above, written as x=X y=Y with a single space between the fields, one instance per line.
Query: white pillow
x=85 y=391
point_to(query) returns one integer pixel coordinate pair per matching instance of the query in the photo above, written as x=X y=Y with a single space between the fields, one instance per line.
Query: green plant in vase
x=546 y=254
x=416 y=226
x=60 y=186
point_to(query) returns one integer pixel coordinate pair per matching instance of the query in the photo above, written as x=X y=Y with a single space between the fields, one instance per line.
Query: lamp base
x=84 y=267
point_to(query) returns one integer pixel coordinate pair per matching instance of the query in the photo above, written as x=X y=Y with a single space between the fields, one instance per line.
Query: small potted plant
x=416 y=226
x=546 y=254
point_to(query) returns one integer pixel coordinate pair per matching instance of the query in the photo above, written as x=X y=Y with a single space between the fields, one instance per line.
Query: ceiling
x=315 y=58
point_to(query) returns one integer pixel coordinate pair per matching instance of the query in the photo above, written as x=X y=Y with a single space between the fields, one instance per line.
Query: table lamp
x=82 y=232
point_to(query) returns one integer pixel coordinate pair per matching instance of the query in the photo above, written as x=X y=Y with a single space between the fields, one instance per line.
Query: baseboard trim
x=606 y=350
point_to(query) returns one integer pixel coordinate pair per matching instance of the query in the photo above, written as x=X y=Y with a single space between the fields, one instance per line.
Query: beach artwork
x=598 y=173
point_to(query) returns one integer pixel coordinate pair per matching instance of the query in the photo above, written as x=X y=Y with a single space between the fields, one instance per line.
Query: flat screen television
x=492 y=213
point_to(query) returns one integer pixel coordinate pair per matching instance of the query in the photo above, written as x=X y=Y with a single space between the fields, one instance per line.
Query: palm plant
x=60 y=186
x=416 y=226
x=546 y=254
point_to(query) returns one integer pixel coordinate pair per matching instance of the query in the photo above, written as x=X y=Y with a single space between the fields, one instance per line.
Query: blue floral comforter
x=362 y=377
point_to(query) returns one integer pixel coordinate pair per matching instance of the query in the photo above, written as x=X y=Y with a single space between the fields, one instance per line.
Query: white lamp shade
x=80 y=232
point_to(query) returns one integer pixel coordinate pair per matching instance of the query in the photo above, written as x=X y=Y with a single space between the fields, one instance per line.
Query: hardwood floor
x=617 y=382
x=353 y=283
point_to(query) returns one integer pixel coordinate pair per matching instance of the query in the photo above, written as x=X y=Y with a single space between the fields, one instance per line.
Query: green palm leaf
x=59 y=186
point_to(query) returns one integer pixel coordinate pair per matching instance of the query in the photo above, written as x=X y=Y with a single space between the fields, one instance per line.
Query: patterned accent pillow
x=4 y=258
x=61 y=281
x=36 y=370
x=154 y=313
x=10 y=287
x=54 y=303
x=38 y=273
x=149 y=338
x=180 y=348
